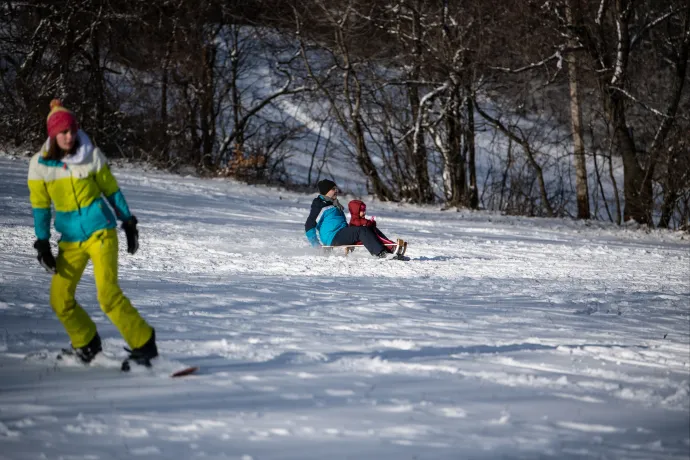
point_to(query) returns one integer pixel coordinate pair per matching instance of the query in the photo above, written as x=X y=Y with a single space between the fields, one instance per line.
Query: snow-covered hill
x=503 y=337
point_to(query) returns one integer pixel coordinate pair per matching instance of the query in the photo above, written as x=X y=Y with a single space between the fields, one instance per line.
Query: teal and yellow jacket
x=75 y=186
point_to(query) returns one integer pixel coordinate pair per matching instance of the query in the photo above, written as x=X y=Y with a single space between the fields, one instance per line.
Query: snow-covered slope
x=503 y=337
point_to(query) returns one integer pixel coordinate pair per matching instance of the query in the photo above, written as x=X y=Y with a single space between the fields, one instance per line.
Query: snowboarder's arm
x=108 y=185
x=40 y=201
x=310 y=225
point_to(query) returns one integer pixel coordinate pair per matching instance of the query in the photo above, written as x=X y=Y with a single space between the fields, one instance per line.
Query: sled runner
x=400 y=247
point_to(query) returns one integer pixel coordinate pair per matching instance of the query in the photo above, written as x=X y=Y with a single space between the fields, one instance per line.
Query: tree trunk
x=473 y=198
x=616 y=195
x=422 y=187
x=165 y=75
x=506 y=173
x=238 y=148
x=582 y=189
x=670 y=198
x=98 y=84
x=367 y=166
x=454 y=164
x=419 y=153
x=637 y=186
x=164 y=111
x=601 y=187
x=671 y=192
x=206 y=115
x=65 y=53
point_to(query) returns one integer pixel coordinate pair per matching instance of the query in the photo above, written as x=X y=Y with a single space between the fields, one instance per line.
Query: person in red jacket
x=358 y=212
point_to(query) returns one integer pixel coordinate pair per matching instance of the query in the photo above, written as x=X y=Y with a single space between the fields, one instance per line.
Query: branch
x=524 y=143
x=637 y=101
x=501 y=127
x=410 y=83
x=423 y=101
x=620 y=52
x=679 y=83
x=243 y=122
x=651 y=24
x=541 y=63
x=32 y=55
x=418 y=133
x=600 y=12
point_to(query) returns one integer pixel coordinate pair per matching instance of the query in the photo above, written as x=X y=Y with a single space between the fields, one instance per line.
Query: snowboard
x=66 y=357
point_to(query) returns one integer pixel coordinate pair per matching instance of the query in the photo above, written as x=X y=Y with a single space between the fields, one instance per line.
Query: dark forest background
x=530 y=107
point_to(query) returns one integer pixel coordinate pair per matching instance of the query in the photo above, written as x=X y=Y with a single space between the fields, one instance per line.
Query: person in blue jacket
x=327 y=221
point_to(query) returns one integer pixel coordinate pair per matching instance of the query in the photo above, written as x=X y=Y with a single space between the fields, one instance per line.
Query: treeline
x=522 y=106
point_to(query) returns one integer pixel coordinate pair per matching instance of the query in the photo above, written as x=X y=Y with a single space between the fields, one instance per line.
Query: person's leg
x=351 y=235
x=345 y=236
x=380 y=234
x=102 y=247
x=384 y=240
x=71 y=261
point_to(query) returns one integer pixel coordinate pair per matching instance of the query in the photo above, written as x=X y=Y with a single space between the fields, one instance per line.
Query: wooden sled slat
x=351 y=247
x=356 y=245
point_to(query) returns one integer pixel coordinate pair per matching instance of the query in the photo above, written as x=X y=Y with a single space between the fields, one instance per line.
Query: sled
x=400 y=245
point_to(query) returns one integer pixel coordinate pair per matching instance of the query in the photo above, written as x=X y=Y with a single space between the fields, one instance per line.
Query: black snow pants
x=351 y=235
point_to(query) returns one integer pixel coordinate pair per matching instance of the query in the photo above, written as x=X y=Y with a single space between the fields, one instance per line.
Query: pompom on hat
x=60 y=119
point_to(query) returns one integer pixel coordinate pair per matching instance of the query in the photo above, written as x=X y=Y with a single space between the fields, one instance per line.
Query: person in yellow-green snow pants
x=72 y=258
x=72 y=174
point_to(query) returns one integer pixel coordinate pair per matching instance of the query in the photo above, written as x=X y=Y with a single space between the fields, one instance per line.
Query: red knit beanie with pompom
x=60 y=119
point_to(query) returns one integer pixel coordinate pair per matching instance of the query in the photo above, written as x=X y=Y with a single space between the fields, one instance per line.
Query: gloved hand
x=45 y=256
x=130 y=228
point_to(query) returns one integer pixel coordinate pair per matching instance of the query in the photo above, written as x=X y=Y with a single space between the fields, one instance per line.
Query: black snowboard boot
x=144 y=354
x=88 y=352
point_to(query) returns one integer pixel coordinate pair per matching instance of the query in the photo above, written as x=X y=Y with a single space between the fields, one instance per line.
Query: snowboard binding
x=142 y=355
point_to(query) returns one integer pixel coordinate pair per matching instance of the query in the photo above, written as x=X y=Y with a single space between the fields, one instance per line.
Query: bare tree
x=611 y=37
x=519 y=138
x=210 y=84
x=348 y=109
x=408 y=29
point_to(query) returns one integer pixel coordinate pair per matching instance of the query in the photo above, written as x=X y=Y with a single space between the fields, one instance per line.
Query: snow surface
x=502 y=337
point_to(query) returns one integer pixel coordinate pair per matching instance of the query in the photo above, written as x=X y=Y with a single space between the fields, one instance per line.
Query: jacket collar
x=333 y=202
x=82 y=155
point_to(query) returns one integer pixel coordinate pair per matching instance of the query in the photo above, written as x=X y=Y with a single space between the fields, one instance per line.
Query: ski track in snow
x=503 y=337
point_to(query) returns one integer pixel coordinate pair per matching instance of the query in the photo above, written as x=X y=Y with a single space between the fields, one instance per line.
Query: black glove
x=130 y=228
x=45 y=256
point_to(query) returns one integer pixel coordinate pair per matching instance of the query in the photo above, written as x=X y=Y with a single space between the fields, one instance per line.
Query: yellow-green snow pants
x=72 y=258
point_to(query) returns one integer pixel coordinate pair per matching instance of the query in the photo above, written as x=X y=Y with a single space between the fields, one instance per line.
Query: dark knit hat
x=325 y=186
